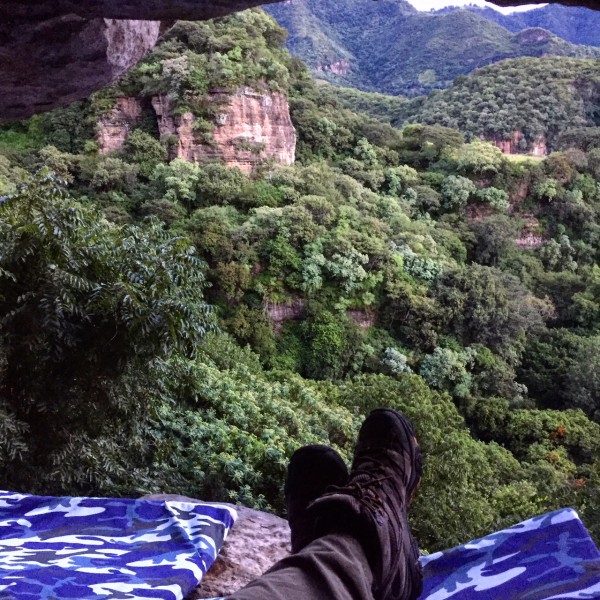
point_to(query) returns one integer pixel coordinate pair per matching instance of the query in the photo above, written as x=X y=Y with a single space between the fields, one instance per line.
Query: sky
x=429 y=4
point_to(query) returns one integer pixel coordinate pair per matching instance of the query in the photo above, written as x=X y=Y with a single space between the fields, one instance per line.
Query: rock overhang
x=53 y=53
x=145 y=10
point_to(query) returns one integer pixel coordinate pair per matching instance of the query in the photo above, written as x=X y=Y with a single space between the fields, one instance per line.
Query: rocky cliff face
x=249 y=128
x=514 y=145
x=291 y=311
x=114 y=127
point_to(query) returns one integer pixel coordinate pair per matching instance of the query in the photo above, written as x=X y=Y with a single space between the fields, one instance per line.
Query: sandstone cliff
x=514 y=145
x=250 y=127
x=115 y=126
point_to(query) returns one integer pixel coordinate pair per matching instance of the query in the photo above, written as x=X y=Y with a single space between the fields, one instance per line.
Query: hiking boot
x=373 y=506
x=312 y=470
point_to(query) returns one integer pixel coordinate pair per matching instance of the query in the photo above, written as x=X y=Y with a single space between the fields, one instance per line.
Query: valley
x=220 y=258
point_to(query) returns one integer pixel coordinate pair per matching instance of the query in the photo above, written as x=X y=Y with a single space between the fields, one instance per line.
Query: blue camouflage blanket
x=545 y=558
x=102 y=548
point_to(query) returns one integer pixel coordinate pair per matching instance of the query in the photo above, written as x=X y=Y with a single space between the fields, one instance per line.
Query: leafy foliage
x=536 y=97
x=399 y=267
x=85 y=306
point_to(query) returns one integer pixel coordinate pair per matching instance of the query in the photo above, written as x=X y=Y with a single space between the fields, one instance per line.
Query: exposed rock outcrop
x=340 y=67
x=508 y=146
x=256 y=542
x=250 y=127
x=514 y=145
x=114 y=127
x=530 y=236
x=364 y=318
x=291 y=311
x=53 y=53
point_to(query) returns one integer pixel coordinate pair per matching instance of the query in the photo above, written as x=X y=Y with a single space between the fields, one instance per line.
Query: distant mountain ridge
x=575 y=25
x=388 y=46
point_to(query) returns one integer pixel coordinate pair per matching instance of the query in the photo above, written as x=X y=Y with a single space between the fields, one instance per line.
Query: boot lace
x=367 y=478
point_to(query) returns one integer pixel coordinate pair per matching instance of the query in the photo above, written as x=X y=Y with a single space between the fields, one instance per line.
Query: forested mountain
x=551 y=101
x=180 y=325
x=523 y=105
x=388 y=46
x=574 y=24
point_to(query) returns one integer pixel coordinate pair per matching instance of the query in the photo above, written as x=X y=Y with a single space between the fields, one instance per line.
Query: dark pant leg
x=333 y=567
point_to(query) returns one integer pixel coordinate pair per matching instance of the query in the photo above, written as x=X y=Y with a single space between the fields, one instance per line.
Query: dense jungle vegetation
x=433 y=275
x=389 y=46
